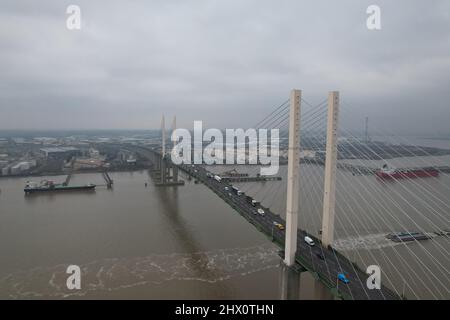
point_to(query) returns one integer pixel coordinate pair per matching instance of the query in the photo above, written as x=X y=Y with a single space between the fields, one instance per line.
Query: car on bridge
x=309 y=241
x=261 y=212
x=343 y=278
x=278 y=225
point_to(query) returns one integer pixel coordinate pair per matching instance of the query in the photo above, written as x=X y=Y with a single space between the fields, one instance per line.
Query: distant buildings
x=131 y=161
x=81 y=164
x=6 y=170
x=94 y=153
x=94 y=160
x=18 y=168
x=60 y=153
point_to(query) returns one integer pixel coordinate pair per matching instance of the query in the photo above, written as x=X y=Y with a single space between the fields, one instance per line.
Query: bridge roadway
x=324 y=263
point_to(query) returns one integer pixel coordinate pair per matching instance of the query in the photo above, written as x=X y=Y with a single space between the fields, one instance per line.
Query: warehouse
x=60 y=152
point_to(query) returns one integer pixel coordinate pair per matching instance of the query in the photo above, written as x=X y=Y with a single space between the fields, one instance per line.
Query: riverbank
x=61 y=173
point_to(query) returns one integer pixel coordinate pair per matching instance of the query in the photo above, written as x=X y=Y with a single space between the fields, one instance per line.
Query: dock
x=67 y=180
x=108 y=180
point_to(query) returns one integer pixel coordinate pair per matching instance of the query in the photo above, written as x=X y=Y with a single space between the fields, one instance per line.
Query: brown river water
x=184 y=242
x=137 y=242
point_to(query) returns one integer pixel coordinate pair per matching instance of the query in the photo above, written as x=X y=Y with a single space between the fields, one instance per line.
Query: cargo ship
x=391 y=173
x=50 y=186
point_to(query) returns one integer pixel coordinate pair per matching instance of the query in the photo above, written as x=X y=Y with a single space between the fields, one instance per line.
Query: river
x=184 y=242
x=137 y=242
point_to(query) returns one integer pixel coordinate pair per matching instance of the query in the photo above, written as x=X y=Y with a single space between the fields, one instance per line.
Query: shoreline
x=62 y=173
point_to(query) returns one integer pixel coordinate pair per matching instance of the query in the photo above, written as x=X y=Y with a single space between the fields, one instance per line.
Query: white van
x=309 y=241
x=261 y=211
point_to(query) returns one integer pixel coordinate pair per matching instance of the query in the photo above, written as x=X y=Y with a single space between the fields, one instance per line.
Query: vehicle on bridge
x=278 y=225
x=309 y=241
x=252 y=201
x=237 y=191
x=342 y=277
x=217 y=178
x=261 y=212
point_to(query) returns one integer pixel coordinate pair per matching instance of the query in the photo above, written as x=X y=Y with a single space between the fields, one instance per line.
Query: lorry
x=252 y=201
x=237 y=191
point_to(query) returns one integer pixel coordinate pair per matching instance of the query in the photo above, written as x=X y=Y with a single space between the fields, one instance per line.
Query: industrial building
x=18 y=168
x=60 y=152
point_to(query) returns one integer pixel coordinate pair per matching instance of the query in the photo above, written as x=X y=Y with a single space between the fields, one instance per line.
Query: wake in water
x=369 y=242
x=118 y=273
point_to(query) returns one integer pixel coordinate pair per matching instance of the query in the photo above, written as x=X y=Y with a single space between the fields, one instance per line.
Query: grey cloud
x=225 y=62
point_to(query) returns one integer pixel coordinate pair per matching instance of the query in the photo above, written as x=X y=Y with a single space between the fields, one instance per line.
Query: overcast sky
x=227 y=62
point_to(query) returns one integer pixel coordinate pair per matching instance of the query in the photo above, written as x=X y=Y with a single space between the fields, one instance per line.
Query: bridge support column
x=329 y=195
x=156 y=161
x=293 y=179
x=175 y=173
x=162 y=171
x=166 y=173
x=163 y=136
x=163 y=166
x=174 y=141
x=290 y=283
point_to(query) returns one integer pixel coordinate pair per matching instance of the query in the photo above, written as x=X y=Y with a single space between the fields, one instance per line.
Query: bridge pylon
x=329 y=190
x=293 y=183
x=165 y=172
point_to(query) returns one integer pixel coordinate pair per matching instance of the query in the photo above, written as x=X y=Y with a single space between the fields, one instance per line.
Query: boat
x=407 y=236
x=387 y=172
x=50 y=186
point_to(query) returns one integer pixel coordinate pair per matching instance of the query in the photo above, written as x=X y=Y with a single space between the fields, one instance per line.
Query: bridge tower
x=329 y=194
x=293 y=179
x=163 y=166
x=174 y=141
x=163 y=136
x=165 y=172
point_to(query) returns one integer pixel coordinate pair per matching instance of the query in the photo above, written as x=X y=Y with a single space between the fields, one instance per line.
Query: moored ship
x=387 y=172
x=49 y=186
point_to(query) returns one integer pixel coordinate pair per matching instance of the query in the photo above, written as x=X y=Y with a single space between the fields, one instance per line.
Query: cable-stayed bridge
x=333 y=191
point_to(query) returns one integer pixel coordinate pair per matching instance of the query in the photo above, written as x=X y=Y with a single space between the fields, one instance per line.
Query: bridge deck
x=250 y=179
x=307 y=256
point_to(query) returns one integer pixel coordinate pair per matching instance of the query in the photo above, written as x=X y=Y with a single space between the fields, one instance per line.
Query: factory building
x=60 y=153
x=22 y=166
